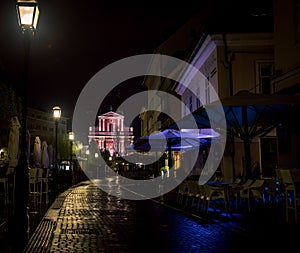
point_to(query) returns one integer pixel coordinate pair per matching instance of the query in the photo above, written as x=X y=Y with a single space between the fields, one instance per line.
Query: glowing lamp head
x=28 y=14
x=71 y=136
x=56 y=112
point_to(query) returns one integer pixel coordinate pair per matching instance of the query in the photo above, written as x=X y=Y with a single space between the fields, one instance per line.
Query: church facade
x=111 y=134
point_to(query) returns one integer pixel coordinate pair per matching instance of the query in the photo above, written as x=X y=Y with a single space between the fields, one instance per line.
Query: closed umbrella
x=13 y=144
x=37 y=152
x=45 y=156
x=50 y=155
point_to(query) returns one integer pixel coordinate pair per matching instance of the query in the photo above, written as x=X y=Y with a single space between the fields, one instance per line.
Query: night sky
x=76 y=39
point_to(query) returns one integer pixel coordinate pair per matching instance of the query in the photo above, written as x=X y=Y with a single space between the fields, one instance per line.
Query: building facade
x=111 y=134
x=41 y=123
x=229 y=63
x=286 y=77
x=262 y=62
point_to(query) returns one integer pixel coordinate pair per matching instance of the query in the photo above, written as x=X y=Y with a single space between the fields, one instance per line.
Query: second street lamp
x=28 y=14
x=56 y=115
x=71 y=139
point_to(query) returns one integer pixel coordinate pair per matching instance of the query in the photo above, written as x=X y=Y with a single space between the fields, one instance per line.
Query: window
x=265 y=72
x=111 y=127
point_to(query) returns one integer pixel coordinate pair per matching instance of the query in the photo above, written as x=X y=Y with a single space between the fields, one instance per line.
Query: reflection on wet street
x=88 y=219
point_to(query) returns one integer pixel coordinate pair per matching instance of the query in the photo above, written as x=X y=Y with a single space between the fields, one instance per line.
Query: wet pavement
x=87 y=219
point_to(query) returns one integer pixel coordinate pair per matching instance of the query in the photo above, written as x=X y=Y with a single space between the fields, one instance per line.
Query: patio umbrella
x=44 y=156
x=247 y=114
x=170 y=140
x=37 y=152
x=51 y=155
x=13 y=144
x=156 y=145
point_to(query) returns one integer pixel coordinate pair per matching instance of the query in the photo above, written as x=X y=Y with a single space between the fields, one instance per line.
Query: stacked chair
x=34 y=193
x=44 y=190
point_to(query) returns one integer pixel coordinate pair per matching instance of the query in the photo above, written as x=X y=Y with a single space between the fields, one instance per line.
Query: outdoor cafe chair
x=182 y=192
x=193 y=192
x=235 y=191
x=253 y=192
x=281 y=188
x=215 y=195
x=201 y=205
x=271 y=192
x=291 y=182
x=33 y=189
x=43 y=184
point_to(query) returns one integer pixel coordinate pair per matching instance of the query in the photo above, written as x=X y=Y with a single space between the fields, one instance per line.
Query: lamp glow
x=56 y=112
x=28 y=14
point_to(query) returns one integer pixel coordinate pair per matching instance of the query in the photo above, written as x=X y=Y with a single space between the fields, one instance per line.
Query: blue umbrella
x=170 y=140
x=247 y=116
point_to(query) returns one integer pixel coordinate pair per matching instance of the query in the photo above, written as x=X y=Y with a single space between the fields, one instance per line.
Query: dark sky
x=76 y=39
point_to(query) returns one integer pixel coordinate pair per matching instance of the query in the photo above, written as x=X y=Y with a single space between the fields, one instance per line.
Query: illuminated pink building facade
x=111 y=134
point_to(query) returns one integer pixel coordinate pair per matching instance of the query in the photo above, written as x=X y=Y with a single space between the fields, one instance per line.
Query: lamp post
x=56 y=115
x=71 y=139
x=28 y=14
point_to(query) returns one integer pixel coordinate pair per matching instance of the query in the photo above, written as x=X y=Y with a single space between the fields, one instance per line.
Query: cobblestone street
x=87 y=219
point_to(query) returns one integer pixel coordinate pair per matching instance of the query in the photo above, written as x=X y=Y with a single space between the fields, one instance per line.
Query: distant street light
x=56 y=115
x=71 y=139
x=28 y=14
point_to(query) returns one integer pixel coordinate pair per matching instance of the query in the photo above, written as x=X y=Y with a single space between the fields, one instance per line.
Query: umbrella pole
x=233 y=156
x=169 y=154
x=247 y=158
x=246 y=142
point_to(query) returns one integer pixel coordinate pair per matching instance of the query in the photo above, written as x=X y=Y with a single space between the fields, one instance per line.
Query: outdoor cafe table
x=226 y=186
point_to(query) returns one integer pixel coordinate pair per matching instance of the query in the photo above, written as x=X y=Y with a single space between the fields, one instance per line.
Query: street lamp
x=28 y=14
x=56 y=115
x=71 y=139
